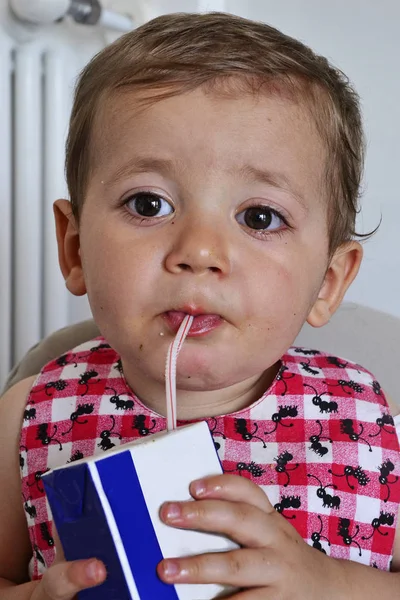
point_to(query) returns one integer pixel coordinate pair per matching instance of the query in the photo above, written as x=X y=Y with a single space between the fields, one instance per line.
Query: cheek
x=284 y=291
x=115 y=263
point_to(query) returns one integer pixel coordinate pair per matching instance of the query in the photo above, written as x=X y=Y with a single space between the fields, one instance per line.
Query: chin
x=202 y=382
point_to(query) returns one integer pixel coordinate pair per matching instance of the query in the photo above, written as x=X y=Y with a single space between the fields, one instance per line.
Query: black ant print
x=241 y=427
x=45 y=533
x=214 y=432
x=307 y=352
x=323 y=405
x=385 y=472
x=333 y=360
x=58 y=385
x=315 y=440
x=356 y=472
x=383 y=519
x=327 y=500
x=29 y=508
x=281 y=377
x=120 y=404
x=30 y=414
x=38 y=480
x=306 y=367
x=118 y=366
x=350 y=384
x=96 y=349
x=83 y=409
x=281 y=465
x=45 y=438
x=344 y=533
x=105 y=442
x=139 y=423
x=252 y=468
x=317 y=536
x=287 y=502
x=21 y=458
x=66 y=359
x=347 y=427
x=382 y=422
x=38 y=555
x=376 y=386
x=100 y=347
x=283 y=413
x=77 y=455
x=85 y=380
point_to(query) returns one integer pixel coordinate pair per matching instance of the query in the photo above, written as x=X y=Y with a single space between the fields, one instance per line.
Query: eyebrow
x=273 y=179
x=166 y=167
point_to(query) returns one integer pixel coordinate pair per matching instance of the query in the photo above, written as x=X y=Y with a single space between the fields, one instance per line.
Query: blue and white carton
x=108 y=507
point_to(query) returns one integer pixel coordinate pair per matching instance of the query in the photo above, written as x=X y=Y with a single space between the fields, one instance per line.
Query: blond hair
x=177 y=53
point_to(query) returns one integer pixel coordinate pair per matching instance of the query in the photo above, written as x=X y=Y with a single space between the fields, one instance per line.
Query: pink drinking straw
x=170 y=370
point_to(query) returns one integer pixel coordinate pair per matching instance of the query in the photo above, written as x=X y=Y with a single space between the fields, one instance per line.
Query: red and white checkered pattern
x=320 y=416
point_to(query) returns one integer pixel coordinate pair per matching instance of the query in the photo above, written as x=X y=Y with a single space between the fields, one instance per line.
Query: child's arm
x=274 y=561
x=63 y=580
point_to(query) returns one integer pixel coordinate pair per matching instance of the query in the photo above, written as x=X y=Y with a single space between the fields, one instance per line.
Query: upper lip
x=193 y=310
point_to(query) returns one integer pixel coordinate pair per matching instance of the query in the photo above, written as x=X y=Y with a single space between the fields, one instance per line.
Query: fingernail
x=93 y=570
x=171 y=568
x=173 y=511
x=199 y=487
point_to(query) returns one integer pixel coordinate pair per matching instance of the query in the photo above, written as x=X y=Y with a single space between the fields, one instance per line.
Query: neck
x=194 y=404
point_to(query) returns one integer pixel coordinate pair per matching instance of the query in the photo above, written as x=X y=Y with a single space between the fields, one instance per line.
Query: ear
x=69 y=247
x=340 y=274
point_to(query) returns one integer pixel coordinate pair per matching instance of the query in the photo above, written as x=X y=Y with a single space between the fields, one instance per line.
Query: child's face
x=197 y=244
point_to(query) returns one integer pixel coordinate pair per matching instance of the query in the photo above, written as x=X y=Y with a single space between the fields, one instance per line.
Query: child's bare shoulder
x=12 y=405
x=15 y=548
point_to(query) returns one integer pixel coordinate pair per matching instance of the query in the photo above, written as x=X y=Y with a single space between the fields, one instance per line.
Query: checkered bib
x=320 y=442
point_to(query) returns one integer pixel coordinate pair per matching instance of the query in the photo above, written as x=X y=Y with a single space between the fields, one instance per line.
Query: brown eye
x=260 y=218
x=149 y=205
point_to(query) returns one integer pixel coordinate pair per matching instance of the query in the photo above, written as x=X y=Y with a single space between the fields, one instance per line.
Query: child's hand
x=274 y=561
x=63 y=580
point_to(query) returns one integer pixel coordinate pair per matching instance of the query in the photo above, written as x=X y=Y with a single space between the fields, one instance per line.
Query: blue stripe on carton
x=122 y=487
x=82 y=528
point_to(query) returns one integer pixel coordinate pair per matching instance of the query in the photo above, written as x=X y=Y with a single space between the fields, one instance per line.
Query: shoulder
x=12 y=403
x=347 y=376
x=14 y=541
x=325 y=359
x=88 y=352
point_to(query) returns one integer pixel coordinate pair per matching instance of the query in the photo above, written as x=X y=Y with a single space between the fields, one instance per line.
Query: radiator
x=35 y=103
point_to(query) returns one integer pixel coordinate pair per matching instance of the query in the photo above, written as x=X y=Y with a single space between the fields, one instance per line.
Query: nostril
x=215 y=269
x=184 y=267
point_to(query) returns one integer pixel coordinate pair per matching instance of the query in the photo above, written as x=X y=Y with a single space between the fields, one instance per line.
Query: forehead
x=209 y=133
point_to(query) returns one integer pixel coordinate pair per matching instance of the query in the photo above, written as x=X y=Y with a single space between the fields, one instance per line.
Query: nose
x=199 y=248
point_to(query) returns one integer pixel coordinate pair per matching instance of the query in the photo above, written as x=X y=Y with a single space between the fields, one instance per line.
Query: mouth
x=203 y=323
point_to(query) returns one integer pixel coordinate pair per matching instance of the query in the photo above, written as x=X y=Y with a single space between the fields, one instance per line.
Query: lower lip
x=202 y=324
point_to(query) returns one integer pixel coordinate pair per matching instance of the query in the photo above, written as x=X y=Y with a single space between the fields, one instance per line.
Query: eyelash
x=259 y=233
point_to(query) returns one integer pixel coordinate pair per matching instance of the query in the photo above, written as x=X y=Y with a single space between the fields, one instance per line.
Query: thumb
x=65 y=579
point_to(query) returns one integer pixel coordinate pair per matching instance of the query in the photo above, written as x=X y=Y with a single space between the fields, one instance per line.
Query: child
x=214 y=167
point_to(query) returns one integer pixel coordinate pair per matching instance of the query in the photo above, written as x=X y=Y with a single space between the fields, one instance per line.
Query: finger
x=63 y=581
x=246 y=524
x=233 y=488
x=238 y=568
